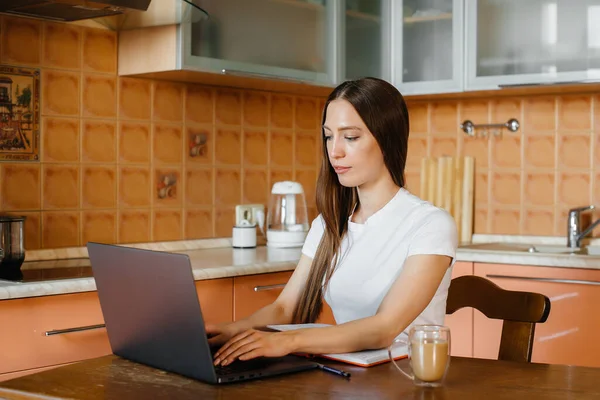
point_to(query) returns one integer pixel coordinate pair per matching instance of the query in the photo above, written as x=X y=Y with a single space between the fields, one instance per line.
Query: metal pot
x=12 y=251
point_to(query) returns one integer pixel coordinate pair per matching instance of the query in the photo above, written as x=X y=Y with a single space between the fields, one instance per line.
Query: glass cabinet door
x=533 y=41
x=366 y=39
x=276 y=38
x=428 y=41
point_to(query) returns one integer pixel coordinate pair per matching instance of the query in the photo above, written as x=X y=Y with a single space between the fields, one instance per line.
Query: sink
x=593 y=251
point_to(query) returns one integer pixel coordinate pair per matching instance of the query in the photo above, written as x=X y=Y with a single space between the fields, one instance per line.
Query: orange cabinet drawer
x=253 y=292
x=216 y=300
x=25 y=321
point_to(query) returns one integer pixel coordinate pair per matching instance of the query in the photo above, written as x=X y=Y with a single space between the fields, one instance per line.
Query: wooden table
x=111 y=377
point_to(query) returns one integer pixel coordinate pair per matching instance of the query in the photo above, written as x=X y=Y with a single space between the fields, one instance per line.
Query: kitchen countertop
x=215 y=258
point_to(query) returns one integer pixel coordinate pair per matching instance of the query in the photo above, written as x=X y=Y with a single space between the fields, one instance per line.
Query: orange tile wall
x=108 y=143
x=525 y=181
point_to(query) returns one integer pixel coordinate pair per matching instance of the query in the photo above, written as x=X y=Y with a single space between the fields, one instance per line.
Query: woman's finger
x=257 y=352
x=248 y=347
x=231 y=345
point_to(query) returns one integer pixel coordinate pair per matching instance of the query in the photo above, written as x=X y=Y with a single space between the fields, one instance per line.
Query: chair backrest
x=519 y=310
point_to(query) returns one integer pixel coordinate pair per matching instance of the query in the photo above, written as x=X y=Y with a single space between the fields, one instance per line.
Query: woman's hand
x=220 y=334
x=252 y=344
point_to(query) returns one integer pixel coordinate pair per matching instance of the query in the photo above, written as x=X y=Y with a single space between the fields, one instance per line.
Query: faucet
x=574 y=234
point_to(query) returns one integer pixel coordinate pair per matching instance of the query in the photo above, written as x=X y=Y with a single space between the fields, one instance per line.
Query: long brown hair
x=384 y=112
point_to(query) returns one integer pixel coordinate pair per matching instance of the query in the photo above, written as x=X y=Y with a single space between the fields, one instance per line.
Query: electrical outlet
x=248 y=212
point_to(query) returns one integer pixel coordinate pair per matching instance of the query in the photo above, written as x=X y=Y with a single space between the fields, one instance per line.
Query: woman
x=379 y=255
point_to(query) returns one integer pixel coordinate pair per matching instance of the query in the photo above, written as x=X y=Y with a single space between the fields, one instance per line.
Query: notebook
x=366 y=358
x=152 y=314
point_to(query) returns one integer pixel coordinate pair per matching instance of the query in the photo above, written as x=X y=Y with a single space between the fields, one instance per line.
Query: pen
x=334 y=371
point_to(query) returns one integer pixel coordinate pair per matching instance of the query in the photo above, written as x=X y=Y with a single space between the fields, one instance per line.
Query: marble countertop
x=215 y=258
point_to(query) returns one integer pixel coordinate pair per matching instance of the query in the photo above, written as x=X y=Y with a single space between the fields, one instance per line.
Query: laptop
x=153 y=317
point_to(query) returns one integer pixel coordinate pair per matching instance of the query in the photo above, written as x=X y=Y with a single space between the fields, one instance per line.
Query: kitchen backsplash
x=131 y=160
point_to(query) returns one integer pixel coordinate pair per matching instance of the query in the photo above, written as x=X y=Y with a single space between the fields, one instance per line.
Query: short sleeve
x=314 y=237
x=437 y=234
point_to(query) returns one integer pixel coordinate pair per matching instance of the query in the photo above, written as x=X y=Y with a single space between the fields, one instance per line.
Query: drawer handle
x=69 y=330
x=269 y=287
x=552 y=280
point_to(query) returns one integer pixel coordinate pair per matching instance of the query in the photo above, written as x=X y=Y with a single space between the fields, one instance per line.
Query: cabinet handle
x=552 y=280
x=269 y=287
x=532 y=84
x=69 y=330
x=262 y=75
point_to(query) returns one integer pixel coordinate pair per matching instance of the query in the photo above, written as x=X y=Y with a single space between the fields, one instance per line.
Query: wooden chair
x=519 y=310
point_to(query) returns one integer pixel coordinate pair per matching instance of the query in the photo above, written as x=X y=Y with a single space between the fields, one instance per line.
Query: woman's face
x=352 y=149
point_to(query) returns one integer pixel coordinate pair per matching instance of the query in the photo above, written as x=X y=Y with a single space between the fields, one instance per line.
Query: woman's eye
x=351 y=138
x=327 y=138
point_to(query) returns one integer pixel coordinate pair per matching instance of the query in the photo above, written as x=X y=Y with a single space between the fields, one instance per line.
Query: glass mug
x=428 y=354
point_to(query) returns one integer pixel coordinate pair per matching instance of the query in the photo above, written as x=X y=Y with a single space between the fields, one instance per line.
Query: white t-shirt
x=372 y=256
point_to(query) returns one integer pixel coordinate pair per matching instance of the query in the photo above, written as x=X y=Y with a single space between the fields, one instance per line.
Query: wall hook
x=469 y=127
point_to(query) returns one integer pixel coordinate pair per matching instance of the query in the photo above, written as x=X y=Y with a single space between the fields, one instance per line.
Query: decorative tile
x=539 y=151
x=99 y=96
x=168 y=102
x=418 y=118
x=574 y=189
x=227 y=187
x=476 y=111
x=574 y=112
x=481 y=219
x=282 y=147
x=503 y=110
x=306 y=113
x=167 y=225
x=306 y=149
x=596 y=189
x=443 y=146
x=32 y=239
x=20 y=187
x=256 y=109
x=539 y=188
x=444 y=118
x=228 y=109
x=61 y=46
x=574 y=150
x=482 y=186
x=540 y=114
x=539 y=222
x=506 y=151
x=199 y=104
x=199 y=187
x=99 y=50
x=60 y=140
x=255 y=147
x=255 y=190
x=134 y=187
x=505 y=221
x=99 y=142
x=134 y=98
x=98 y=226
x=413 y=182
x=99 y=186
x=224 y=221
x=21 y=41
x=167 y=188
x=228 y=146
x=198 y=223
x=134 y=143
x=60 y=229
x=134 y=226
x=60 y=93
x=167 y=144
x=417 y=150
x=279 y=175
x=282 y=111
x=60 y=186
x=199 y=145
x=506 y=188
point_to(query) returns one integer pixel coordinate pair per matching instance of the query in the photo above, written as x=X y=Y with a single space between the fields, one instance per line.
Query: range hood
x=113 y=14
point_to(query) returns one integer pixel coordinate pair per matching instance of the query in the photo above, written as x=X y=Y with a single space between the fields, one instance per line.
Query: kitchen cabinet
x=253 y=292
x=427 y=46
x=25 y=321
x=570 y=335
x=534 y=41
x=461 y=322
x=366 y=39
x=290 y=40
